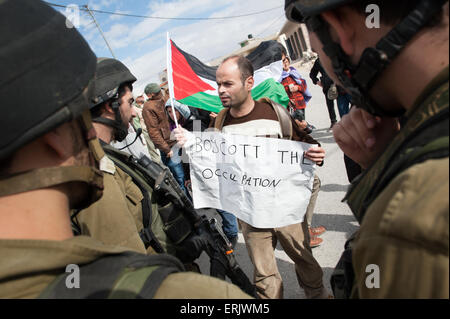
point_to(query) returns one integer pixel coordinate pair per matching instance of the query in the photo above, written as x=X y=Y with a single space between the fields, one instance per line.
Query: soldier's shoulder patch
x=107 y=165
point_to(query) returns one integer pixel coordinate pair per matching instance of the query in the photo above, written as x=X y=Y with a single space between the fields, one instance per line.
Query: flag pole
x=170 y=77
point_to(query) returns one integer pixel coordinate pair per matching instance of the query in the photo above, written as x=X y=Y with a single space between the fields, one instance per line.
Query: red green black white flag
x=193 y=83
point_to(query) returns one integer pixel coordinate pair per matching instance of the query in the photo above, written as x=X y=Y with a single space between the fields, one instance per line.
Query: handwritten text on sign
x=265 y=182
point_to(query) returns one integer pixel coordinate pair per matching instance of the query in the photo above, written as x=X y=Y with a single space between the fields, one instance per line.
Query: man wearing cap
x=157 y=122
x=49 y=157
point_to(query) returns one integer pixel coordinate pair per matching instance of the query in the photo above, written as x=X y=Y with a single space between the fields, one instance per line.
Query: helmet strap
x=120 y=129
x=358 y=80
x=53 y=176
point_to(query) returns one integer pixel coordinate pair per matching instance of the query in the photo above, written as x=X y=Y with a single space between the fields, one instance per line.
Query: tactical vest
x=124 y=276
x=284 y=118
x=158 y=220
x=425 y=136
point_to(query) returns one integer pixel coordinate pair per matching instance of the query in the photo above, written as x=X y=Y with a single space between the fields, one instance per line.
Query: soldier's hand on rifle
x=363 y=137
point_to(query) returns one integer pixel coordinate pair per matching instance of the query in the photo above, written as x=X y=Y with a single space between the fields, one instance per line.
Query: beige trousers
x=294 y=239
x=312 y=201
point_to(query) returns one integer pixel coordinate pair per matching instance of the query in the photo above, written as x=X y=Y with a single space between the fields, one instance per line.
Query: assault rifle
x=207 y=236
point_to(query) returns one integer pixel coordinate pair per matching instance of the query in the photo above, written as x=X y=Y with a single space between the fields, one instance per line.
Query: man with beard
x=244 y=116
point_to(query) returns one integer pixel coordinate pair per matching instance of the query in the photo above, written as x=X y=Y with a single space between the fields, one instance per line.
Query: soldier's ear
x=108 y=108
x=58 y=141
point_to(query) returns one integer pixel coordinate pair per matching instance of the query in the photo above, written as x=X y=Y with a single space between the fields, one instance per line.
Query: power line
x=83 y=8
x=273 y=22
x=99 y=29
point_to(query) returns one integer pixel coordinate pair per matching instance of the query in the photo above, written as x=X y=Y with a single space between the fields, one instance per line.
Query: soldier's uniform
x=401 y=201
x=116 y=219
x=38 y=48
x=29 y=266
x=405 y=229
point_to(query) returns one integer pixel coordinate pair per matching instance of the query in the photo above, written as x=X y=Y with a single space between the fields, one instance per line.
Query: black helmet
x=47 y=79
x=359 y=79
x=298 y=11
x=46 y=72
x=110 y=76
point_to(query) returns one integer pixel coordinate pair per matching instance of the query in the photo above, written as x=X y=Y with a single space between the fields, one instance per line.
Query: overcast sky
x=141 y=43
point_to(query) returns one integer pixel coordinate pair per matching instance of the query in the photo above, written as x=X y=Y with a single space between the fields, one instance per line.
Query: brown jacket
x=157 y=123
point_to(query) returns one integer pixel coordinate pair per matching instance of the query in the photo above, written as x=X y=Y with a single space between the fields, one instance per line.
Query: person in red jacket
x=296 y=89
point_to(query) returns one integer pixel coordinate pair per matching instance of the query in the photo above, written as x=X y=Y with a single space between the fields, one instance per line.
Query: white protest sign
x=265 y=182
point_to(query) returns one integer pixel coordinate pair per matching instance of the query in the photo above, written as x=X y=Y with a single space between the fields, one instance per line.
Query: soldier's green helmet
x=46 y=79
x=110 y=76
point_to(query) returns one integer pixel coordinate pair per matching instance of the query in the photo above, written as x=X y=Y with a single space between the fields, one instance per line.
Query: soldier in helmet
x=49 y=156
x=127 y=215
x=397 y=66
x=116 y=219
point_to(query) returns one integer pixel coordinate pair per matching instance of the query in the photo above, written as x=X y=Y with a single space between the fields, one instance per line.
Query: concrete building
x=296 y=40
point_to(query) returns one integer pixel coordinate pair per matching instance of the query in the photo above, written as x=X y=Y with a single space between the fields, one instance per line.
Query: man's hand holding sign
x=253 y=177
x=265 y=182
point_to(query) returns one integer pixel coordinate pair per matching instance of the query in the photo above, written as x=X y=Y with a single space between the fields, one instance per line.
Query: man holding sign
x=244 y=116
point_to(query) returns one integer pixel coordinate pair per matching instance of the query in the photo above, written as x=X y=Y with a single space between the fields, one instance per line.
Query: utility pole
x=99 y=29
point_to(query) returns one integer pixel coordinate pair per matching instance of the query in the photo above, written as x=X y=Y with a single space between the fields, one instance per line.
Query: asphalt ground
x=330 y=211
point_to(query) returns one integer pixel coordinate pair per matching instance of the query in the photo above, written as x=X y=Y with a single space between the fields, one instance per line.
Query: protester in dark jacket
x=325 y=82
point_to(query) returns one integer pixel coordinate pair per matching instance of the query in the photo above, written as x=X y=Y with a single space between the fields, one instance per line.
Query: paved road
x=330 y=211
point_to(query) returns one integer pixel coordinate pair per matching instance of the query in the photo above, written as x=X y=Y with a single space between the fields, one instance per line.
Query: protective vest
x=125 y=276
x=159 y=219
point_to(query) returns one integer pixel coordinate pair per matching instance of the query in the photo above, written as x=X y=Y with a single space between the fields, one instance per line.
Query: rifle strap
x=146 y=234
x=174 y=225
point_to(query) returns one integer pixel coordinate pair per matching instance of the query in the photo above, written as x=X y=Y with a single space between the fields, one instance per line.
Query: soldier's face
x=126 y=106
x=325 y=61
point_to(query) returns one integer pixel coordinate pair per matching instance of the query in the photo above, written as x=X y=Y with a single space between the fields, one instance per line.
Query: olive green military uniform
x=116 y=219
x=29 y=266
x=405 y=230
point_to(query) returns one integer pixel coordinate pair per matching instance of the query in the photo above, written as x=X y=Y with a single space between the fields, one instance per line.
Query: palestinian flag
x=194 y=83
